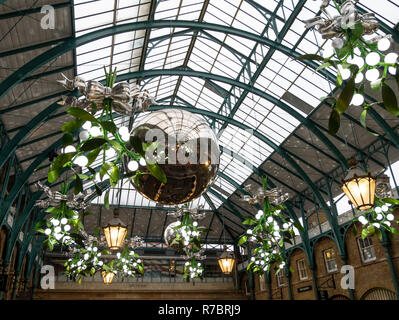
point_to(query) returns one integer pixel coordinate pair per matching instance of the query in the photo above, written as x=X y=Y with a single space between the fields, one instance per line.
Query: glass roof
x=230 y=56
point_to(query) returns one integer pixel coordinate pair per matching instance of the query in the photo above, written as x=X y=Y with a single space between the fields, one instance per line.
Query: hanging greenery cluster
x=100 y=139
x=354 y=58
x=87 y=260
x=63 y=227
x=270 y=232
x=187 y=237
x=378 y=218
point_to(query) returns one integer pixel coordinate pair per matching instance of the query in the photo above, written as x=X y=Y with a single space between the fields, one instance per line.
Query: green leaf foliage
x=157 y=172
x=92 y=156
x=67 y=139
x=92 y=144
x=363 y=118
x=242 y=240
x=109 y=126
x=72 y=126
x=106 y=199
x=346 y=96
x=114 y=175
x=334 y=122
x=137 y=145
x=390 y=101
x=310 y=57
x=81 y=114
x=78 y=185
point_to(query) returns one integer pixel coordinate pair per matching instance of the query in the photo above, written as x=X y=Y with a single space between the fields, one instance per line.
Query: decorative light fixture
x=115 y=232
x=359 y=187
x=108 y=276
x=226 y=261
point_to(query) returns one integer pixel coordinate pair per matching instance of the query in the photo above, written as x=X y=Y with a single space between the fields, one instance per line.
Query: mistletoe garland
x=100 y=137
x=378 y=218
x=354 y=59
x=187 y=237
x=270 y=232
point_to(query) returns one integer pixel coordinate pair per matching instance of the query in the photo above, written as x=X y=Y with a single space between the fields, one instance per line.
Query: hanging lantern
x=108 y=276
x=226 y=261
x=115 y=232
x=359 y=187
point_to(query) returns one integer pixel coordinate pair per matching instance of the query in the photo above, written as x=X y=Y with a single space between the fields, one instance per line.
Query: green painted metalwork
x=5 y=206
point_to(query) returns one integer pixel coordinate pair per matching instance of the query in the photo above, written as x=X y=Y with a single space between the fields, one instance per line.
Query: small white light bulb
x=69 y=149
x=123 y=131
x=125 y=137
x=84 y=135
x=384 y=44
x=390 y=217
x=110 y=153
x=142 y=162
x=86 y=125
x=357 y=100
x=391 y=57
x=359 y=78
x=47 y=232
x=372 y=75
x=132 y=165
x=81 y=161
x=373 y=58
x=95 y=131
x=346 y=74
x=67 y=228
x=64 y=221
x=392 y=71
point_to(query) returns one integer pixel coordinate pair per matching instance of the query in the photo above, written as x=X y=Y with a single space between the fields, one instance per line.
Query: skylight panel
x=216 y=15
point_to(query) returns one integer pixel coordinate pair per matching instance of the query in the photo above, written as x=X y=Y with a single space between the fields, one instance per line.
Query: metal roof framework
x=233 y=64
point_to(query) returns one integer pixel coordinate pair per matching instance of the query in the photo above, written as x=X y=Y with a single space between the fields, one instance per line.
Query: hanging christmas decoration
x=183 y=145
x=184 y=236
x=270 y=231
x=275 y=195
x=355 y=58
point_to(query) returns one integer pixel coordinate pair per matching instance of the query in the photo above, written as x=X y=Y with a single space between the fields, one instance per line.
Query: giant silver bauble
x=194 y=139
x=170 y=235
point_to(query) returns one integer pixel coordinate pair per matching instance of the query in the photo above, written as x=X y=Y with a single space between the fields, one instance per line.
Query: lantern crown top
x=226 y=255
x=114 y=222
x=355 y=172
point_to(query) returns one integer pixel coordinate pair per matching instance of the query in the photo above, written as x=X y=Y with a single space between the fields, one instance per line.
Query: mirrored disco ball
x=170 y=235
x=187 y=150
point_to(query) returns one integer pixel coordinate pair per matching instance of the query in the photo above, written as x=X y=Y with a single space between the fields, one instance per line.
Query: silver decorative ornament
x=186 y=150
x=170 y=235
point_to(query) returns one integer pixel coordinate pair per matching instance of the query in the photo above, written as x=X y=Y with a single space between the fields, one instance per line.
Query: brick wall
x=368 y=275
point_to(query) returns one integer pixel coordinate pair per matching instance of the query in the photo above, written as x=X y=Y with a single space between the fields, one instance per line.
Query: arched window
x=379 y=294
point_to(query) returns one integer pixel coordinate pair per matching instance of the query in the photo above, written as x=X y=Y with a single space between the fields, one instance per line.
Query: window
x=329 y=258
x=366 y=248
x=303 y=273
x=262 y=283
x=280 y=278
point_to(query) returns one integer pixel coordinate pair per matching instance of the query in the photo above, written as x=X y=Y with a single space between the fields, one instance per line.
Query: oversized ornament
x=187 y=151
x=170 y=235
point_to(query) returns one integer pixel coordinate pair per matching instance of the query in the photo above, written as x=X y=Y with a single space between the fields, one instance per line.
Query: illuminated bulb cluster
x=193 y=269
x=85 y=261
x=128 y=264
x=59 y=230
x=265 y=257
x=381 y=216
